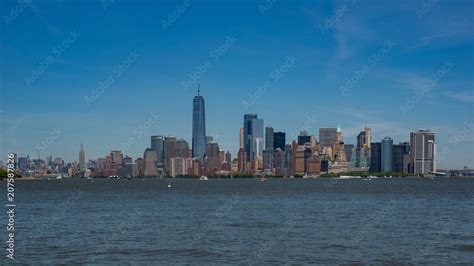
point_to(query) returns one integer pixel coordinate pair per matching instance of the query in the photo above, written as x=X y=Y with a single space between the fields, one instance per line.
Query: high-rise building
x=158 y=144
x=376 y=157
x=269 y=138
x=279 y=140
x=387 y=154
x=338 y=146
x=422 y=152
x=267 y=160
x=182 y=149
x=327 y=136
x=22 y=164
x=400 y=157
x=149 y=161
x=178 y=166
x=117 y=157
x=253 y=136
x=364 y=138
x=213 y=156
x=199 y=127
x=242 y=160
x=348 y=148
x=82 y=159
x=241 y=138
x=228 y=157
x=303 y=138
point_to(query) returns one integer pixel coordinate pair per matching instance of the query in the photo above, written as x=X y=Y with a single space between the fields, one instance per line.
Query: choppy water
x=240 y=221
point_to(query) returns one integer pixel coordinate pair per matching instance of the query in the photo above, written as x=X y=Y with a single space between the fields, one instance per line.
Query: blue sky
x=394 y=66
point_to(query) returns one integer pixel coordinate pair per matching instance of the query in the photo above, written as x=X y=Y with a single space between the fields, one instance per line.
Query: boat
x=203 y=178
x=59 y=177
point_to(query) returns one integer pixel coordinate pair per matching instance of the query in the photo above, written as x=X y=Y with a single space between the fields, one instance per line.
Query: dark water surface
x=240 y=221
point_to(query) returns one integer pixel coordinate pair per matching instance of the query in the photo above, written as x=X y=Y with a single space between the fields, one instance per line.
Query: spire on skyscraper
x=199 y=86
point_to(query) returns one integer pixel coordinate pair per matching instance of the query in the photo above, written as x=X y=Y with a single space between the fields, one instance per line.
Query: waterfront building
x=400 y=158
x=364 y=138
x=253 y=136
x=387 y=154
x=140 y=166
x=422 y=151
x=359 y=161
x=279 y=140
x=117 y=157
x=158 y=144
x=303 y=138
x=313 y=167
x=269 y=139
x=327 y=136
x=338 y=142
x=267 y=160
x=82 y=159
x=149 y=161
x=178 y=167
x=213 y=156
x=199 y=127
x=22 y=164
x=376 y=157
x=241 y=139
x=242 y=160
x=348 y=149
x=228 y=157
x=221 y=156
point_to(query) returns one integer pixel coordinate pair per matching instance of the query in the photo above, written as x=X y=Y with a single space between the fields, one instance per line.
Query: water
x=242 y=221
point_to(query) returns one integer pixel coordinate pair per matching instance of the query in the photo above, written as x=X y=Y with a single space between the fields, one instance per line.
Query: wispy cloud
x=463 y=96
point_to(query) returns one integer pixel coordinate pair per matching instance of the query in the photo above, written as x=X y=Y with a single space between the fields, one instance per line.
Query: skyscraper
x=423 y=151
x=269 y=138
x=149 y=160
x=376 y=157
x=400 y=153
x=253 y=136
x=327 y=136
x=82 y=159
x=387 y=154
x=157 y=143
x=199 y=127
x=279 y=140
x=241 y=138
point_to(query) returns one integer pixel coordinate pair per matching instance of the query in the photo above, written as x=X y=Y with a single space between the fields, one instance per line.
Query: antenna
x=199 y=86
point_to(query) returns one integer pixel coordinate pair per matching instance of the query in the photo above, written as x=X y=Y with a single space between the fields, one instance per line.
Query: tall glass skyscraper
x=387 y=154
x=158 y=144
x=253 y=136
x=199 y=127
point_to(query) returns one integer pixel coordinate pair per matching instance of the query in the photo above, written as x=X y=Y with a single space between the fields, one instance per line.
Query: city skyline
x=295 y=78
